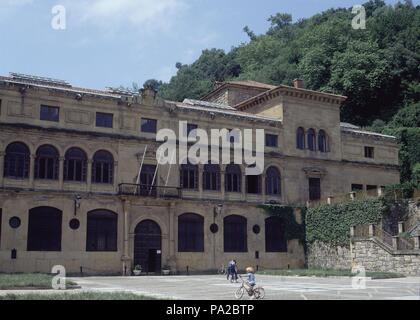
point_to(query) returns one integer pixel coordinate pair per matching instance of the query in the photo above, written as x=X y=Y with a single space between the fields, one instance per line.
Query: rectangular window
x=49 y=113
x=271 y=140
x=314 y=189
x=190 y=128
x=369 y=152
x=148 y=125
x=356 y=187
x=104 y=120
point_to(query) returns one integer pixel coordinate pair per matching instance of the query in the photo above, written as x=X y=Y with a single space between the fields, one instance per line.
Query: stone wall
x=373 y=256
x=369 y=253
x=324 y=256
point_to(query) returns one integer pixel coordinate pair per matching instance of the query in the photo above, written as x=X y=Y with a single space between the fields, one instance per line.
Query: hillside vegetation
x=376 y=68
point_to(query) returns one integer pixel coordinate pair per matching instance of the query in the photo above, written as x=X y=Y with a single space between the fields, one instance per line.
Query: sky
x=118 y=42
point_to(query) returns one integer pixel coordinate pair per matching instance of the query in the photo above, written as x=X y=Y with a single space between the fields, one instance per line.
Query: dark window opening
x=75 y=165
x=190 y=233
x=356 y=187
x=44 y=229
x=148 y=125
x=322 y=141
x=147 y=185
x=271 y=140
x=49 y=113
x=102 y=231
x=189 y=176
x=314 y=188
x=47 y=163
x=103 y=167
x=369 y=152
x=371 y=187
x=211 y=177
x=253 y=184
x=275 y=239
x=300 y=138
x=272 y=181
x=311 y=140
x=235 y=234
x=105 y=120
x=16 y=161
x=233 y=178
x=191 y=129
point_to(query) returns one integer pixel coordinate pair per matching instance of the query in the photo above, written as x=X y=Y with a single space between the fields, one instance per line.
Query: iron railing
x=142 y=190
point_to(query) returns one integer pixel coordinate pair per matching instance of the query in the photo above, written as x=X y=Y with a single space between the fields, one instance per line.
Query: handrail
x=144 y=190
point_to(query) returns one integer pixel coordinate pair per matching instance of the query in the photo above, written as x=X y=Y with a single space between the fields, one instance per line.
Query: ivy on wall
x=331 y=223
x=292 y=229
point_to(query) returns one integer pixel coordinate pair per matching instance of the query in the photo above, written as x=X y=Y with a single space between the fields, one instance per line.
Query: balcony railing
x=142 y=190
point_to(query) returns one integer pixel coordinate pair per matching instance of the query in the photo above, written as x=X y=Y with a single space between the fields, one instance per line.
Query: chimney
x=298 y=84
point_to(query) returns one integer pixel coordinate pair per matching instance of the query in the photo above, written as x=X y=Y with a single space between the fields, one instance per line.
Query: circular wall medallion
x=214 y=228
x=256 y=229
x=74 y=224
x=14 y=222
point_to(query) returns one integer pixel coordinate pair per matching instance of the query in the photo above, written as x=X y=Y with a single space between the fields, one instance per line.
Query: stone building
x=71 y=193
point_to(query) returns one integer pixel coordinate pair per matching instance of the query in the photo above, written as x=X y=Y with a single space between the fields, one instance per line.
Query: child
x=250 y=283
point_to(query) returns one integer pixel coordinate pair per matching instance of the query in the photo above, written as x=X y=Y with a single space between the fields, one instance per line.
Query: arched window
x=47 y=163
x=235 y=234
x=102 y=231
x=44 y=229
x=272 y=181
x=300 y=138
x=16 y=161
x=275 y=239
x=233 y=178
x=211 y=177
x=311 y=140
x=322 y=141
x=103 y=167
x=190 y=233
x=189 y=176
x=75 y=165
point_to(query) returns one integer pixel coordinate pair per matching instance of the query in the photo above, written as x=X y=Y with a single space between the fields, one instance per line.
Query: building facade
x=80 y=185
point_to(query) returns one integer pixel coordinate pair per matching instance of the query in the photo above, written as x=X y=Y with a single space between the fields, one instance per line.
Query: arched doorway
x=148 y=246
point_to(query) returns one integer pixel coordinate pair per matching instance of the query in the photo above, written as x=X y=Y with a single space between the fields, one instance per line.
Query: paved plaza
x=215 y=287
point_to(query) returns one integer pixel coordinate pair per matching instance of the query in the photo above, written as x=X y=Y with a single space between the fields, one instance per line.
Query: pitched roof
x=293 y=92
x=249 y=83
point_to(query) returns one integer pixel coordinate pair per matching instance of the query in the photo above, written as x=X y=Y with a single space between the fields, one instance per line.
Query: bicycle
x=256 y=292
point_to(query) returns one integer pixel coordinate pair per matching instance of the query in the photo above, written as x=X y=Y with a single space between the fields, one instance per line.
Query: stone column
x=116 y=177
x=381 y=191
x=2 y=154
x=243 y=182
x=200 y=180
x=400 y=227
x=89 y=175
x=395 y=243
x=172 y=231
x=222 y=181
x=126 y=227
x=330 y=199
x=263 y=188
x=371 y=230
x=416 y=242
x=61 y=173
x=352 y=231
x=32 y=171
x=352 y=195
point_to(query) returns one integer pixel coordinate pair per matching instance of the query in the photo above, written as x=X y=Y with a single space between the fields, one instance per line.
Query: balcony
x=141 y=190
